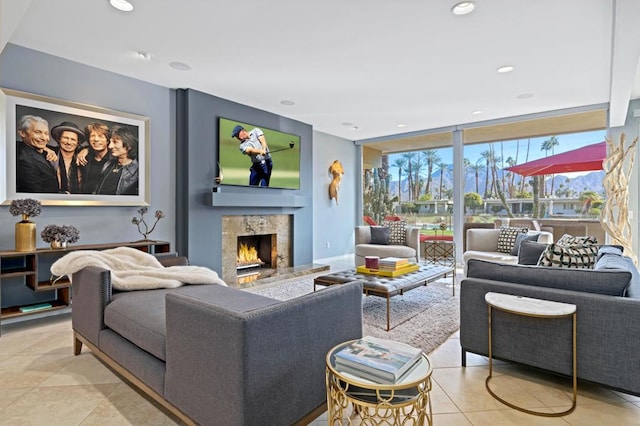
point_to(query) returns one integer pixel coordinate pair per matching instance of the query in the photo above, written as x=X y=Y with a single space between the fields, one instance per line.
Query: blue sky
x=567 y=142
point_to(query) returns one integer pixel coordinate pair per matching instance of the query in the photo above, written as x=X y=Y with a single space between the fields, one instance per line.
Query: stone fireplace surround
x=242 y=225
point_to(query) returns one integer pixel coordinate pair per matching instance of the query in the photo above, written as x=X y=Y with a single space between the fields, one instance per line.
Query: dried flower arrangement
x=25 y=207
x=139 y=220
x=62 y=234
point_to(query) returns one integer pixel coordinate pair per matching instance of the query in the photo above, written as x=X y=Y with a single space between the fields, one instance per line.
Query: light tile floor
x=42 y=382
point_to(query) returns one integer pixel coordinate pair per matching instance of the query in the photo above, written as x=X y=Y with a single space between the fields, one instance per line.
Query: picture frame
x=15 y=104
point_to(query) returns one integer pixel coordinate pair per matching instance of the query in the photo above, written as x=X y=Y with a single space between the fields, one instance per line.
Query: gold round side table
x=353 y=400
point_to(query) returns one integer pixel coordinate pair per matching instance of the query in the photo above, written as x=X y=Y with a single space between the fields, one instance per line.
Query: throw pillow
x=569 y=240
x=575 y=256
x=507 y=238
x=519 y=239
x=397 y=232
x=530 y=252
x=379 y=235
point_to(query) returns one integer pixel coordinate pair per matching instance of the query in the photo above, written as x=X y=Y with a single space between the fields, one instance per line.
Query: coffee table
x=387 y=287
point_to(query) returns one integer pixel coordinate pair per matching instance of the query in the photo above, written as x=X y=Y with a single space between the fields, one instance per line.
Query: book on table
x=378 y=360
x=392 y=262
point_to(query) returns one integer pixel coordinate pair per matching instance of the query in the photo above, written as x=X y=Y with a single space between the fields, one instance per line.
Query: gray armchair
x=410 y=251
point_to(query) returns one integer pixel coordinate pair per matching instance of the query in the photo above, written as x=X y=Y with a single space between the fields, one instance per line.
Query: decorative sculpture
x=614 y=216
x=336 y=170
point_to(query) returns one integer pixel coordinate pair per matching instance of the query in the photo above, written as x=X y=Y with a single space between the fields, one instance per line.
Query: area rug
x=424 y=317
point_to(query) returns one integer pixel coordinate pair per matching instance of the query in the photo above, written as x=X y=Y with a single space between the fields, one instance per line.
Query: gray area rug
x=424 y=317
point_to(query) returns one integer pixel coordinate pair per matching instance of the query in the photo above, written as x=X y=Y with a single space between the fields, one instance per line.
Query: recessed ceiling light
x=477 y=112
x=506 y=68
x=401 y=125
x=354 y=128
x=463 y=8
x=180 y=66
x=287 y=102
x=347 y=123
x=144 y=55
x=122 y=5
x=525 y=96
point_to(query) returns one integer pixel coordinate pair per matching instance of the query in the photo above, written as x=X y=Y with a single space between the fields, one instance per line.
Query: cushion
x=530 y=252
x=611 y=261
x=574 y=256
x=520 y=238
x=369 y=220
x=397 y=232
x=612 y=282
x=609 y=249
x=568 y=240
x=380 y=235
x=507 y=238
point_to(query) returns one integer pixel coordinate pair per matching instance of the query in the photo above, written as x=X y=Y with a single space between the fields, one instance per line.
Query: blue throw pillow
x=520 y=238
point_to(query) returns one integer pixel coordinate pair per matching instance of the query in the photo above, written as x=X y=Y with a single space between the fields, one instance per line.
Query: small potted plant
x=25 y=233
x=141 y=223
x=58 y=236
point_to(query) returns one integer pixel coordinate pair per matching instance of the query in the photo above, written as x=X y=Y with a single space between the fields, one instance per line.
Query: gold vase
x=58 y=244
x=25 y=235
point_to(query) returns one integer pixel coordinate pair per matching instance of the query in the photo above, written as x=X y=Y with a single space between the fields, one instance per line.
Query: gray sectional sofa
x=215 y=355
x=608 y=311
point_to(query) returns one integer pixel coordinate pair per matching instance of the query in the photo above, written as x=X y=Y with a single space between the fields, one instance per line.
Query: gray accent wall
x=200 y=210
x=30 y=71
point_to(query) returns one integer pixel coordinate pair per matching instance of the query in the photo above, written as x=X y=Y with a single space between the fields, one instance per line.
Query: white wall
x=333 y=223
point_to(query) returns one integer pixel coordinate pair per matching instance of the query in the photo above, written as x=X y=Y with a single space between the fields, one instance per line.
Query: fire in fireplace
x=256 y=251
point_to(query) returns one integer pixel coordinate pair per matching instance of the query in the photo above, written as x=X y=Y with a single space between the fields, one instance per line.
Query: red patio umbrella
x=589 y=157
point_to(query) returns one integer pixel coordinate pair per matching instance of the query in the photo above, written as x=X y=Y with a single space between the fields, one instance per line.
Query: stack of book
x=392 y=263
x=377 y=360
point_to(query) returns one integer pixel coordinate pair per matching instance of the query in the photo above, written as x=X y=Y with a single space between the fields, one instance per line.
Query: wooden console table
x=32 y=268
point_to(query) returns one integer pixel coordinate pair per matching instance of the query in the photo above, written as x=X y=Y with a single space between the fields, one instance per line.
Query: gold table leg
x=524 y=410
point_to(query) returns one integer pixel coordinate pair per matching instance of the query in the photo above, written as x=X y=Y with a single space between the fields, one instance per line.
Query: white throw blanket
x=132 y=269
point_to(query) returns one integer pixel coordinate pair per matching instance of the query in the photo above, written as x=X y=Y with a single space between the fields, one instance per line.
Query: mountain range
x=588 y=182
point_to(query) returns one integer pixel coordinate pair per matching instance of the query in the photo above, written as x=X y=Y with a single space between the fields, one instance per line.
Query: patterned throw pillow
x=574 y=256
x=507 y=238
x=570 y=240
x=397 y=232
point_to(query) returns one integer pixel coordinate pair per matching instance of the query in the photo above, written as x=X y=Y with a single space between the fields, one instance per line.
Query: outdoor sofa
x=215 y=355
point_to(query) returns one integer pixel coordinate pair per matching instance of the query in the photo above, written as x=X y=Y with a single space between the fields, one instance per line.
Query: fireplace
x=263 y=244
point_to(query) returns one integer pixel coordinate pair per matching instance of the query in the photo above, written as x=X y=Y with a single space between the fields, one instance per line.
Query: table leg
x=524 y=410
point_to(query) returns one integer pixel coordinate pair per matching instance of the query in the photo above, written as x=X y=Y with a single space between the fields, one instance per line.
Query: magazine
x=376 y=358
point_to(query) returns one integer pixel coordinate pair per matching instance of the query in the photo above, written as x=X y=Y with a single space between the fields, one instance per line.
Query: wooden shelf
x=14 y=311
x=33 y=268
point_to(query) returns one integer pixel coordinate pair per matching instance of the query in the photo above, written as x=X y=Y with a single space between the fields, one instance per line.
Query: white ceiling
x=373 y=63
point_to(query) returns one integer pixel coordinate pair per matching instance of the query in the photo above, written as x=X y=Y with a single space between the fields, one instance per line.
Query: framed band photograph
x=65 y=153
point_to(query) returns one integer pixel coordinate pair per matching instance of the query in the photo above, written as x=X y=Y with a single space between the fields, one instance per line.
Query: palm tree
x=548 y=144
x=417 y=182
x=486 y=155
x=442 y=166
x=432 y=157
x=400 y=163
x=409 y=156
x=477 y=168
x=522 y=181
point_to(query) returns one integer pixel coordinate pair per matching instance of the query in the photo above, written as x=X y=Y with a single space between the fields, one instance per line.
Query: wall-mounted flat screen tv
x=242 y=159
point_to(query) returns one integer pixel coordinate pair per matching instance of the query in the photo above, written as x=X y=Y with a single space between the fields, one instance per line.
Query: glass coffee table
x=354 y=400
